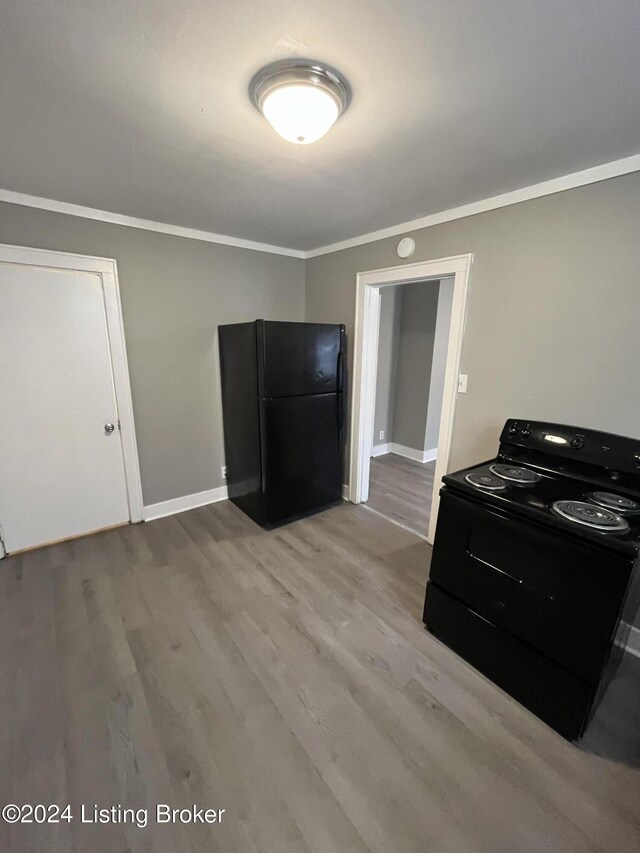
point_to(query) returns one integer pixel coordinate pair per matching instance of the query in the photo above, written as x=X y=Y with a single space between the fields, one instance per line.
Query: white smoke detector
x=406 y=247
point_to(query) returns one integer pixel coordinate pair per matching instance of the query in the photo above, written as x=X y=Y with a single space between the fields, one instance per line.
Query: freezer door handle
x=340 y=372
x=340 y=394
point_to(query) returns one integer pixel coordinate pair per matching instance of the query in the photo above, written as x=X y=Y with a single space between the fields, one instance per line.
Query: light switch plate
x=462 y=383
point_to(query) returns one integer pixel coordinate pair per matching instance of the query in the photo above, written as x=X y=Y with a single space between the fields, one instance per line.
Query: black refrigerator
x=283 y=398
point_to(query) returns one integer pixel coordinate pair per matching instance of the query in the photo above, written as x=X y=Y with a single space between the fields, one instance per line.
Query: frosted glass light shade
x=301 y=99
x=300 y=113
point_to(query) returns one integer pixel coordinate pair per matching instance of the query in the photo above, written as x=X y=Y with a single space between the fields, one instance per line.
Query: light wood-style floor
x=401 y=489
x=285 y=677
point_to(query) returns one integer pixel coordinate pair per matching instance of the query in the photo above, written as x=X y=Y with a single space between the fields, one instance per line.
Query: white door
x=61 y=467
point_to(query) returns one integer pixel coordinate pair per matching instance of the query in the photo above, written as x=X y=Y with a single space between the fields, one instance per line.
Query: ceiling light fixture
x=300 y=98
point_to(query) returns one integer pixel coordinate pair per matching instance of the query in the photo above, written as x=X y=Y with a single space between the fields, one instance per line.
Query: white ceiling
x=140 y=107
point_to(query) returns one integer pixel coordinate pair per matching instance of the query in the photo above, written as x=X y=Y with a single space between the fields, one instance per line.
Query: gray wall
x=175 y=292
x=439 y=363
x=418 y=308
x=553 y=312
x=387 y=364
x=404 y=375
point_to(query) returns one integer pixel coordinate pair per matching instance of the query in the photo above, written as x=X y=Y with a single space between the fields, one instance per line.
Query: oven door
x=555 y=593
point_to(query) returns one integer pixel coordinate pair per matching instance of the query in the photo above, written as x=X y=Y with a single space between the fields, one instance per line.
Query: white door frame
x=367 y=323
x=107 y=269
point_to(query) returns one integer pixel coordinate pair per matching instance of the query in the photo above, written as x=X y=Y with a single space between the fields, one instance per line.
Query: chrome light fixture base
x=287 y=72
x=284 y=82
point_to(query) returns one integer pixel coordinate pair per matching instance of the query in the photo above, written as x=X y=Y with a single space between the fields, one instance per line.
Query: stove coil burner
x=596 y=517
x=485 y=481
x=615 y=502
x=515 y=474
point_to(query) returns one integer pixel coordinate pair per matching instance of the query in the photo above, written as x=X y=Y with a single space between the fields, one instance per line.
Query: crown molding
x=25 y=200
x=604 y=172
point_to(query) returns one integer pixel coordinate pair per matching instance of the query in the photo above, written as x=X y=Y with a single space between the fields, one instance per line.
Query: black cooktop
x=535 y=500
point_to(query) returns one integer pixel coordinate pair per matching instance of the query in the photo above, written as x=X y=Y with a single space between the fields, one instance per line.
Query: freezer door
x=299 y=358
x=302 y=456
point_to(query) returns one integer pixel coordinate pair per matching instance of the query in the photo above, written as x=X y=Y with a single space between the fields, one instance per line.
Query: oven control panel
x=592 y=447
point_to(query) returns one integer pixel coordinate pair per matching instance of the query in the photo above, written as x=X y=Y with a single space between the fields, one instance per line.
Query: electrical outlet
x=381 y=436
x=223 y=471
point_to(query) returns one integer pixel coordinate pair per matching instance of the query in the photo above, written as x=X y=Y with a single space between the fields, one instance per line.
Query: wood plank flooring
x=286 y=677
x=401 y=489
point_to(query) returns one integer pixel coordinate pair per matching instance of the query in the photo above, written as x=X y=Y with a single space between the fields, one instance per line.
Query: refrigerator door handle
x=340 y=394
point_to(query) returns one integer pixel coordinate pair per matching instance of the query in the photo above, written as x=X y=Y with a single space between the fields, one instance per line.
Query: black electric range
x=535 y=573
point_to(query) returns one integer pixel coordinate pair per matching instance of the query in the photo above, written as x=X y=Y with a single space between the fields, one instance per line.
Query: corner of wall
x=305 y=265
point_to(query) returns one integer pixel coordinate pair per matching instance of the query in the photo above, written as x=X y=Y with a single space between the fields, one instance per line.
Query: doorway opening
x=413 y=336
x=442 y=284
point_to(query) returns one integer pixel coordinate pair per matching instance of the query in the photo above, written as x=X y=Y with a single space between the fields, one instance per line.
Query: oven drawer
x=556 y=696
x=560 y=596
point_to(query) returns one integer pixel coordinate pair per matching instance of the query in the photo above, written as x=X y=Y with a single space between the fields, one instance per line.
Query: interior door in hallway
x=61 y=461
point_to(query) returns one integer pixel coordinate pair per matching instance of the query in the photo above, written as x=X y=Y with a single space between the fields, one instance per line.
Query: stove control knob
x=513 y=429
x=636 y=459
x=577 y=443
x=526 y=431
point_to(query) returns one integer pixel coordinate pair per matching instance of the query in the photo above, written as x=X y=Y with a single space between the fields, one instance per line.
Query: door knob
x=109 y=428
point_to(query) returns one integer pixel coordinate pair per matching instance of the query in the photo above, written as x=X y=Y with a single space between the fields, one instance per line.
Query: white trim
x=381 y=449
x=186 y=502
x=364 y=377
x=603 y=172
x=46 y=257
x=421 y=456
x=367 y=321
x=144 y=224
x=429 y=455
x=408 y=452
x=633 y=642
x=107 y=269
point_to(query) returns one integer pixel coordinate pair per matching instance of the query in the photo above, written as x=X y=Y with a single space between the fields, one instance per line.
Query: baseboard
x=633 y=642
x=380 y=449
x=164 y=508
x=411 y=453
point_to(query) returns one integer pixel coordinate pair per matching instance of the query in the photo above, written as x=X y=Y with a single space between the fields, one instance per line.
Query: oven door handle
x=519 y=581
